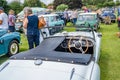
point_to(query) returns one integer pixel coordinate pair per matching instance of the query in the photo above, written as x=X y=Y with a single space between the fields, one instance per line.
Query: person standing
x=74 y=16
x=31 y=24
x=11 y=21
x=118 y=21
x=65 y=16
x=3 y=19
x=118 y=10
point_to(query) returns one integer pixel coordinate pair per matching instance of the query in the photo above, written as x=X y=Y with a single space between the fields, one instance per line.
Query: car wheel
x=114 y=21
x=13 y=48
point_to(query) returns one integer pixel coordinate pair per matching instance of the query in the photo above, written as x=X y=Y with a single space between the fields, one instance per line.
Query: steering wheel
x=78 y=44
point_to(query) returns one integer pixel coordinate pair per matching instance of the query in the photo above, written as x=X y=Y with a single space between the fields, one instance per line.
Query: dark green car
x=88 y=19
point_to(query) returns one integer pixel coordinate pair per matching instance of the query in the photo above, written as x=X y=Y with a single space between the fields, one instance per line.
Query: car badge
x=38 y=62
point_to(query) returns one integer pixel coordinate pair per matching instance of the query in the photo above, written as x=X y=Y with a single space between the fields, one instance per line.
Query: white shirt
x=4 y=19
x=74 y=14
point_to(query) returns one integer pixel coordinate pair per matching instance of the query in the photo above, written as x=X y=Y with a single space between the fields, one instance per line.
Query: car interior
x=77 y=44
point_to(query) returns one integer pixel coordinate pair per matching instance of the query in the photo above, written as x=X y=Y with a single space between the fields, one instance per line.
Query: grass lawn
x=110 y=52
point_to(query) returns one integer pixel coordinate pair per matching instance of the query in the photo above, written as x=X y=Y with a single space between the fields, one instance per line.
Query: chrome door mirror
x=1 y=41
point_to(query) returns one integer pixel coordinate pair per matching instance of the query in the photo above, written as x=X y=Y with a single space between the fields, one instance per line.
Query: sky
x=45 y=1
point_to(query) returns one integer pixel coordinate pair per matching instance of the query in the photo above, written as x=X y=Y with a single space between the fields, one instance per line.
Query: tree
x=43 y=5
x=16 y=6
x=117 y=3
x=95 y=2
x=32 y=3
x=62 y=7
x=3 y=3
x=109 y=4
x=72 y=4
x=100 y=5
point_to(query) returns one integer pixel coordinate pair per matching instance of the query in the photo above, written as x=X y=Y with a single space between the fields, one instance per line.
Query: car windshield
x=108 y=14
x=86 y=17
x=55 y=18
x=108 y=11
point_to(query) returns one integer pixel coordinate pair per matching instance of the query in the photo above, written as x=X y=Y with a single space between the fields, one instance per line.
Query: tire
x=13 y=48
x=114 y=21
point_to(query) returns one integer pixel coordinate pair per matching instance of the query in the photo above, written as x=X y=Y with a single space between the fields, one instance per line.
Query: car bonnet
x=27 y=70
x=2 y=32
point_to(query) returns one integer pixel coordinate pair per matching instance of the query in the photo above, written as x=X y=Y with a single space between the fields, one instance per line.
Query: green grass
x=69 y=29
x=110 y=51
x=24 y=43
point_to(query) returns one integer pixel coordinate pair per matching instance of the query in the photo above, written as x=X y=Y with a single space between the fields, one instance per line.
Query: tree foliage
x=109 y=4
x=99 y=3
x=117 y=3
x=62 y=7
x=72 y=4
x=94 y=2
x=43 y=5
x=32 y=3
x=3 y=3
x=16 y=6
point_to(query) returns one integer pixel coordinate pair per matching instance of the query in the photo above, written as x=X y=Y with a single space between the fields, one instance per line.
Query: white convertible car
x=64 y=56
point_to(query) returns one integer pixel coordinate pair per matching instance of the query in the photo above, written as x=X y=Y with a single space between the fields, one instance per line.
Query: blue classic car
x=9 y=42
x=108 y=13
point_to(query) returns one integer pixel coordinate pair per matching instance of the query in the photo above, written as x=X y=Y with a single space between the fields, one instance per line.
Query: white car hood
x=27 y=70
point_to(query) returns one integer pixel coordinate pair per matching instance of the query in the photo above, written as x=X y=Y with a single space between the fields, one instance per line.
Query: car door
x=2 y=46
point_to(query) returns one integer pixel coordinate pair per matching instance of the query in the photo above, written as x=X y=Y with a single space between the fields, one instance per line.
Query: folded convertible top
x=46 y=51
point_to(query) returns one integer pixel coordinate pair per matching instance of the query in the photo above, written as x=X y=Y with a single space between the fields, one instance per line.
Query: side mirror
x=99 y=34
x=1 y=41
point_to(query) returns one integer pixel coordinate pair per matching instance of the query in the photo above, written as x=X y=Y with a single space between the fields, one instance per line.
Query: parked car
x=91 y=18
x=110 y=14
x=60 y=14
x=64 y=56
x=19 y=25
x=9 y=42
x=53 y=20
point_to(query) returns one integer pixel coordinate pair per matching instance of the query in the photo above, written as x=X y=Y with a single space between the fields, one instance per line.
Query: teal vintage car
x=9 y=42
x=53 y=20
x=91 y=18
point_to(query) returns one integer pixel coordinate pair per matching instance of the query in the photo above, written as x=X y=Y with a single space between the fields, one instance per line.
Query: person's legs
x=11 y=28
x=119 y=25
x=36 y=40
x=74 y=21
x=30 y=41
x=65 y=21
